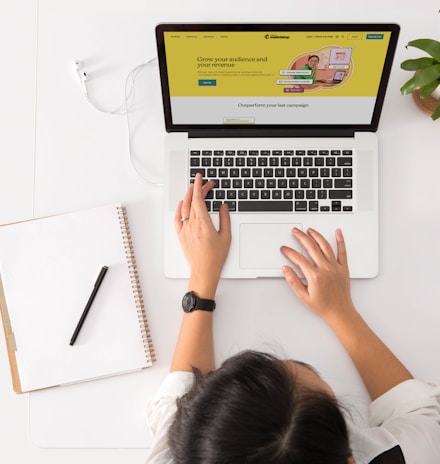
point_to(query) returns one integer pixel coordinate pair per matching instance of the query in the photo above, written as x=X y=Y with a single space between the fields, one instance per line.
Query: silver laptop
x=248 y=106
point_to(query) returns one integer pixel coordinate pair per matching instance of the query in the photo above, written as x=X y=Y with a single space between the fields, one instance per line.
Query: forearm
x=377 y=365
x=195 y=344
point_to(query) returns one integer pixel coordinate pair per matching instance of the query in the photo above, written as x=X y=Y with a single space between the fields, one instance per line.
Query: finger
x=295 y=283
x=198 y=197
x=177 y=216
x=324 y=245
x=207 y=187
x=225 y=221
x=310 y=244
x=342 y=250
x=187 y=201
x=298 y=259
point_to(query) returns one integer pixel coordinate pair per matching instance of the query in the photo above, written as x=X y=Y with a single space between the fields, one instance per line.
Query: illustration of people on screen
x=310 y=66
x=325 y=68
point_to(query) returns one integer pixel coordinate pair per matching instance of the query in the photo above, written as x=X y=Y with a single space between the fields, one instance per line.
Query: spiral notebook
x=48 y=268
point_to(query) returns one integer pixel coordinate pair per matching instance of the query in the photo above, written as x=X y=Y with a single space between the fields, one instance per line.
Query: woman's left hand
x=205 y=247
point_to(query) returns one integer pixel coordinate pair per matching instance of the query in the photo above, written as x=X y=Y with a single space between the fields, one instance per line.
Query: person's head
x=258 y=409
x=313 y=61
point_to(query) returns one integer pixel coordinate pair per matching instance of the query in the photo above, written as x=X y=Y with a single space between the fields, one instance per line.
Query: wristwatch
x=191 y=302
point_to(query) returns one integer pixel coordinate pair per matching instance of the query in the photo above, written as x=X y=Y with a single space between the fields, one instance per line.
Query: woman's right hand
x=327 y=291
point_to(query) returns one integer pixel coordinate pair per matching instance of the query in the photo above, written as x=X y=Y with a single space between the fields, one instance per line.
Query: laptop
x=243 y=105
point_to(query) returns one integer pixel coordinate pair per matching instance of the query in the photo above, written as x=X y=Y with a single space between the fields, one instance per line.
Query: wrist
x=343 y=320
x=203 y=287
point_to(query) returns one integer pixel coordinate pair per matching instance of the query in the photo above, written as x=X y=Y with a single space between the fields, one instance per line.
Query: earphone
x=124 y=109
x=83 y=77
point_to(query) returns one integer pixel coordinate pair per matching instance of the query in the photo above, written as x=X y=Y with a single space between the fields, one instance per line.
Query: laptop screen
x=229 y=76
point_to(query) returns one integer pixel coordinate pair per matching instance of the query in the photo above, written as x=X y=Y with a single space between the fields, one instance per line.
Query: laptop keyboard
x=301 y=180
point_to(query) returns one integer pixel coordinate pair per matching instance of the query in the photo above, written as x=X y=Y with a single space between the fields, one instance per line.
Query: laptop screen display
x=273 y=77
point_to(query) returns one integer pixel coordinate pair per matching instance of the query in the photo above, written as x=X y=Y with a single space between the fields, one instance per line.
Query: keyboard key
x=313 y=206
x=232 y=205
x=336 y=206
x=343 y=183
x=251 y=206
x=271 y=183
x=300 y=206
x=340 y=194
x=345 y=161
x=194 y=171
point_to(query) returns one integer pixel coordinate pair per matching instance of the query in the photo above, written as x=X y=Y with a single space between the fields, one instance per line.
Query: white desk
x=81 y=160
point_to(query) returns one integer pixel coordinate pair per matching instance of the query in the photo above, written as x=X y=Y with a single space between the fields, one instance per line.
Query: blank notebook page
x=48 y=268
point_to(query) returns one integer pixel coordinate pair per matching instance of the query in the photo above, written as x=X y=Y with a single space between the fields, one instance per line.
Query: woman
x=259 y=409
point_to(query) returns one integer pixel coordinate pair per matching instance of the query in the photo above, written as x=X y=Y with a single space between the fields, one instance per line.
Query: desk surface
x=58 y=154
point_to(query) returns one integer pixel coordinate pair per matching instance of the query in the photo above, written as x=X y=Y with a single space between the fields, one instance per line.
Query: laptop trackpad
x=260 y=245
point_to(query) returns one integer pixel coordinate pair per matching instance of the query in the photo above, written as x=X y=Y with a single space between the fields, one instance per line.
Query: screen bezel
x=267 y=130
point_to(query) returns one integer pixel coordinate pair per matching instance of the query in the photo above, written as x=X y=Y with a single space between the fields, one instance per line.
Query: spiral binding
x=135 y=284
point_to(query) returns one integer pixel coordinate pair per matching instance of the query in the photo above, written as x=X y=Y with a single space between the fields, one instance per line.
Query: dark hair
x=252 y=410
x=312 y=56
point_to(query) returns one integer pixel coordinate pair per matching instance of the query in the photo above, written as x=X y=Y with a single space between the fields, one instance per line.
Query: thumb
x=295 y=283
x=225 y=221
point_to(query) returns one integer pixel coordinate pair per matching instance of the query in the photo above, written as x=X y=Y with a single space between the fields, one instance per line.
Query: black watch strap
x=191 y=302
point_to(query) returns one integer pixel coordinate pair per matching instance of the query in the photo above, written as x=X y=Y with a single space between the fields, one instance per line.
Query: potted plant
x=426 y=78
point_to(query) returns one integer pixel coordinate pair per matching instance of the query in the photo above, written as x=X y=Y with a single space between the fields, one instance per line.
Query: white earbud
x=78 y=68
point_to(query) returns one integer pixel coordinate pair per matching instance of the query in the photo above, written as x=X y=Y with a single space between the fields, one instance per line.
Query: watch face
x=188 y=302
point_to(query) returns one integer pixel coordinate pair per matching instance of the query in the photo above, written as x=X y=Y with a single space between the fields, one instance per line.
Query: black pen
x=89 y=304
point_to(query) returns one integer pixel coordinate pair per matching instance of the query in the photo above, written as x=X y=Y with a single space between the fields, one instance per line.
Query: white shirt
x=408 y=415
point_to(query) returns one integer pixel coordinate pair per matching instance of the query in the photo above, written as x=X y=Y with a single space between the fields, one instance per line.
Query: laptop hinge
x=238 y=132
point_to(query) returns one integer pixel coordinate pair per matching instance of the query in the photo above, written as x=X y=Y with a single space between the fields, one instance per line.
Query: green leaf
x=419 y=63
x=436 y=113
x=429 y=88
x=430 y=46
x=421 y=79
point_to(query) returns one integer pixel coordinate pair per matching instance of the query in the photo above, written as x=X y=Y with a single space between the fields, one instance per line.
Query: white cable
x=123 y=109
x=131 y=95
